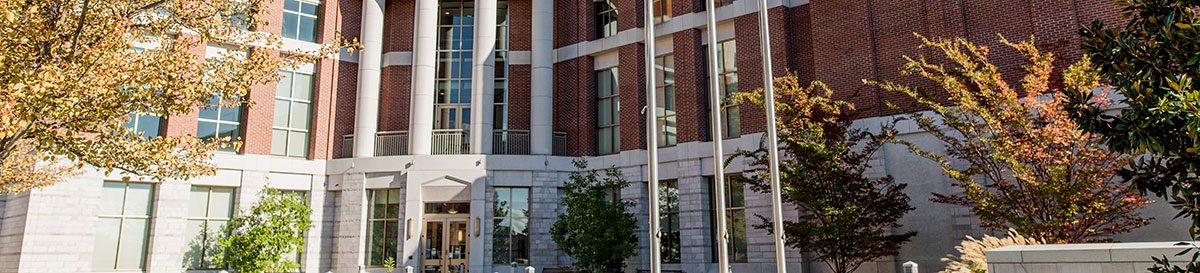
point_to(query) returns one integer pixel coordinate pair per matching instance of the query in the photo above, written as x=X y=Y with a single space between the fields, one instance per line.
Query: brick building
x=455 y=127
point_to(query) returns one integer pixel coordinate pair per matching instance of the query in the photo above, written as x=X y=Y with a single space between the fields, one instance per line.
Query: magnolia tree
x=597 y=229
x=261 y=239
x=1017 y=158
x=1153 y=61
x=73 y=71
x=846 y=217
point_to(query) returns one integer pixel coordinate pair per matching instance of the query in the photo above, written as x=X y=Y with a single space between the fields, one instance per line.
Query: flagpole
x=652 y=139
x=714 y=88
x=764 y=34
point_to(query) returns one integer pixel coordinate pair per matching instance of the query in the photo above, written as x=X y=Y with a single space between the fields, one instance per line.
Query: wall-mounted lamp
x=409 y=228
x=477 y=226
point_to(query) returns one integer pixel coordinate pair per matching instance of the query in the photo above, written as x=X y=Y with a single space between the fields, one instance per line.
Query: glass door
x=445 y=246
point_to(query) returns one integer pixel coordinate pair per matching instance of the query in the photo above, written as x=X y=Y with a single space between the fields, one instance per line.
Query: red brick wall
x=854 y=40
x=519 y=94
x=520 y=14
x=750 y=61
x=630 y=14
x=631 y=81
x=690 y=103
x=398 y=25
x=343 y=77
x=573 y=22
x=575 y=104
x=394 y=98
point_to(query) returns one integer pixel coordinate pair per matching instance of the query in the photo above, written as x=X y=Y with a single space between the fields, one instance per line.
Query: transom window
x=300 y=20
x=608 y=112
x=293 y=109
x=209 y=209
x=123 y=229
x=606 y=19
x=664 y=109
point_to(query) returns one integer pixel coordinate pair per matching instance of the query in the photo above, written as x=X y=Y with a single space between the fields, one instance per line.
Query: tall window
x=144 y=124
x=731 y=125
x=123 y=229
x=209 y=209
x=500 y=106
x=293 y=109
x=662 y=11
x=510 y=229
x=456 y=40
x=606 y=19
x=220 y=122
x=608 y=110
x=300 y=20
x=735 y=217
x=383 y=226
x=664 y=109
x=668 y=223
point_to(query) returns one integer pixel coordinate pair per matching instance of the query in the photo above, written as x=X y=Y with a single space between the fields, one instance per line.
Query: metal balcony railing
x=514 y=142
x=450 y=141
x=559 y=143
x=391 y=143
x=454 y=141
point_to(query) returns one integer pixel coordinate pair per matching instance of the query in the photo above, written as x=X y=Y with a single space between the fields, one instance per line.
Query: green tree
x=72 y=73
x=1153 y=60
x=846 y=218
x=598 y=229
x=260 y=239
x=1017 y=158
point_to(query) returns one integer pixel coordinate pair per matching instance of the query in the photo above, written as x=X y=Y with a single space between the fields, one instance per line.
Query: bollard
x=530 y=270
x=514 y=268
x=910 y=267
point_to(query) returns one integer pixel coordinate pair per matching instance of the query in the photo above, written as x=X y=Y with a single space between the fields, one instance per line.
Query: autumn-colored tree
x=73 y=71
x=1020 y=162
x=846 y=217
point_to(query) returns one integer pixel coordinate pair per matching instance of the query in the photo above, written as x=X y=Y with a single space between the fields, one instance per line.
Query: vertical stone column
x=349 y=243
x=483 y=77
x=410 y=234
x=541 y=118
x=366 y=112
x=313 y=244
x=420 y=129
x=167 y=242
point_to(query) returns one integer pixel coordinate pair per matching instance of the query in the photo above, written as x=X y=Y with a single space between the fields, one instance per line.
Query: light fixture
x=409 y=228
x=477 y=227
x=460 y=235
x=453 y=211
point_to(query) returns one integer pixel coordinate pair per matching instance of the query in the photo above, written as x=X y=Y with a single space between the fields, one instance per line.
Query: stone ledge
x=1088 y=253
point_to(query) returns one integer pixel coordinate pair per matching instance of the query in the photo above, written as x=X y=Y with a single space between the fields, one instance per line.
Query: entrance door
x=445 y=245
